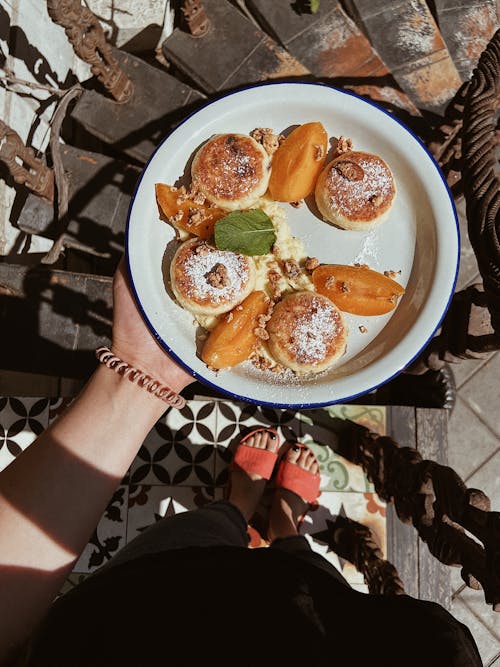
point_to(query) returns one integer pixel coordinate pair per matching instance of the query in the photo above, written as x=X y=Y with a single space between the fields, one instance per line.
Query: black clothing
x=230 y=605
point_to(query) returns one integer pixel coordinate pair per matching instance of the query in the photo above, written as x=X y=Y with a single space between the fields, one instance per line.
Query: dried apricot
x=196 y=219
x=357 y=289
x=233 y=337
x=298 y=162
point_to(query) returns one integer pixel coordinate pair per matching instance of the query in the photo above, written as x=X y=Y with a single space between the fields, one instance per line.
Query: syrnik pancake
x=207 y=281
x=307 y=332
x=231 y=170
x=355 y=191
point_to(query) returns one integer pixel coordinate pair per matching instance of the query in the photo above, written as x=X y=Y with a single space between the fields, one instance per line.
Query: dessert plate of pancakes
x=417 y=241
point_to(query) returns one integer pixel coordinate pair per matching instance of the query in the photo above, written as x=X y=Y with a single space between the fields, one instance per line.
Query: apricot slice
x=298 y=162
x=167 y=201
x=357 y=289
x=233 y=339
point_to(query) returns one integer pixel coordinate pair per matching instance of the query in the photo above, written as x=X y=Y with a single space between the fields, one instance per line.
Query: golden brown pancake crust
x=359 y=186
x=230 y=166
x=306 y=332
x=210 y=281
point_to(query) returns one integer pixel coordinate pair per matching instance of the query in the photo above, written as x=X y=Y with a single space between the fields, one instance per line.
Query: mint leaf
x=246 y=232
x=313 y=6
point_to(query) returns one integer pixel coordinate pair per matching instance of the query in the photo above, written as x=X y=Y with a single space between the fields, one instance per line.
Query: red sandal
x=298 y=480
x=254 y=459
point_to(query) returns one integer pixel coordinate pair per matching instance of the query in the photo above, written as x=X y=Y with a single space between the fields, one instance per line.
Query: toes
x=303 y=457
x=293 y=454
x=263 y=440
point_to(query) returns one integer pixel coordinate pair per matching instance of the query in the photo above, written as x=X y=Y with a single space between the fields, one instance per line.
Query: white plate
x=420 y=238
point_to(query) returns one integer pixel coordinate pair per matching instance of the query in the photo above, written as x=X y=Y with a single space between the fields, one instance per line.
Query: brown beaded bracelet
x=109 y=359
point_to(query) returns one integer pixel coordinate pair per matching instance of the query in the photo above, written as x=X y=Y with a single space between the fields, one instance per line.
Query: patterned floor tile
x=319 y=423
x=57 y=406
x=337 y=473
x=235 y=420
x=21 y=421
x=149 y=503
x=318 y=432
x=179 y=449
x=109 y=536
x=366 y=508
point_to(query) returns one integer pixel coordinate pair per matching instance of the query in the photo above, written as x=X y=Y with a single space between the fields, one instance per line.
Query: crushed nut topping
x=344 y=287
x=229 y=316
x=363 y=329
x=218 y=276
x=195 y=216
x=262 y=363
x=199 y=198
x=319 y=152
x=182 y=195
x=273 y=275
x=262 y=319
x=261 y=333
x=240 y=307
x=392 y=274
x=350 y=170
x=291 y=268
x=296 y=204
x=266 y=137
x=344 y=145
x=329 y=282
x=393 y=298
x=201 y=250
x=311 y=263
x=361 y=266
x=176 y=218
x=376 y=200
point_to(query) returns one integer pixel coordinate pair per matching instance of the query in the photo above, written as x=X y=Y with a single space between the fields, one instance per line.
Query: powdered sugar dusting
x=351 y=197
x=313 y=333
x=198 y=267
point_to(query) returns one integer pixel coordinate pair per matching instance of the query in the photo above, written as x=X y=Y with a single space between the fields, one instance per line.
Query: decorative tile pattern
x=179 y=450
x=148 y=504
x=365 y=508
x=183 y=464
x=21 y=421
x=337 y=473
x=57 y=406
x=109 y=536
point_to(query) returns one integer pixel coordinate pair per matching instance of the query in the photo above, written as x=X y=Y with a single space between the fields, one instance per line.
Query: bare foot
x=247 y=488
x=288 y=508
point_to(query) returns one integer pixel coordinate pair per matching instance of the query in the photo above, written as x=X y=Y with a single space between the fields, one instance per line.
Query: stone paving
x=474 y=452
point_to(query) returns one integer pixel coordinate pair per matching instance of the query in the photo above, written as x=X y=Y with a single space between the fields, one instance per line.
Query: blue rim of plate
x=225 y=392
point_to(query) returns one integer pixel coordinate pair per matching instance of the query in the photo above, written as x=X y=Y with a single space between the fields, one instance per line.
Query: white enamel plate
x=419 y=238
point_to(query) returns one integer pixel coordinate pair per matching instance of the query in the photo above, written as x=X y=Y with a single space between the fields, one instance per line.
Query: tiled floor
x=183 y=464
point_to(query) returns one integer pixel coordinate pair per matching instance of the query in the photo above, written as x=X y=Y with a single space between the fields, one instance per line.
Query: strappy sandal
x=255 y=459
x=298 y=480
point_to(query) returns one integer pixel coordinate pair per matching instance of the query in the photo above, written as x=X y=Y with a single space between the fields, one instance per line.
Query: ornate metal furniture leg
x=23 y=166
x=434 y=499
x=472 y=325
x=87 y=37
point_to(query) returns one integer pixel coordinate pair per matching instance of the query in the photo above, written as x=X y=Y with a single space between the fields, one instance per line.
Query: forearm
x=52 y=495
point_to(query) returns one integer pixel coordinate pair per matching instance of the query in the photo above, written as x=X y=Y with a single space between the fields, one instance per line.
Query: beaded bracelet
x=106 y=357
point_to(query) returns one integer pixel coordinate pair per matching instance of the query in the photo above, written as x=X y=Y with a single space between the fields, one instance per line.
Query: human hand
x=134 y=343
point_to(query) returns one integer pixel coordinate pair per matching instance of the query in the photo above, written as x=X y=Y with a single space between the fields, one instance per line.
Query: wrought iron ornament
x=89 y=42
x=23 y=166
